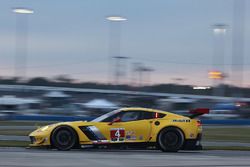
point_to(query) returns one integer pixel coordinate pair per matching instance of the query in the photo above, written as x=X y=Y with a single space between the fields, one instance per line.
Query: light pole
x=238 y=44
x=147 y=71
x=115 y=47
x=119 y=68
x=21 y=45
x=143 y=73
x=219 y=32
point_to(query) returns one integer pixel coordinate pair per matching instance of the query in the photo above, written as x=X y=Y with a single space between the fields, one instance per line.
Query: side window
x=130 y=116
x=152 y=115
x=125 y=116
x=147 y=115
x=112 y=117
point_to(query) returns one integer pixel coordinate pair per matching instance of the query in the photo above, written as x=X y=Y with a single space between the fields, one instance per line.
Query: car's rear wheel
x=170 y=139
x=64 y=138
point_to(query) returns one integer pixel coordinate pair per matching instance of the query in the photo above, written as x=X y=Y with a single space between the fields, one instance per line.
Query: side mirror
x=118 y=119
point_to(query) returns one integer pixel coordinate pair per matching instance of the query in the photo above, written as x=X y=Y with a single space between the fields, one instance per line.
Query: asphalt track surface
x=21 y=157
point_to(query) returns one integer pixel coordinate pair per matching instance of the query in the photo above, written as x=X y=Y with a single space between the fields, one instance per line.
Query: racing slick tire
x=64 y=138
x=170 y=139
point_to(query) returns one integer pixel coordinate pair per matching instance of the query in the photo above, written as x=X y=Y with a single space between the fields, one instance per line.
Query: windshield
x=101 y=118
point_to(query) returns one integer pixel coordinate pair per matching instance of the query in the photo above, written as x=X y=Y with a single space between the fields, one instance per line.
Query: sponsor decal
x=181 y=120
x=117 y=134
x=130 y=135
x=130 y=132
x=141 y=137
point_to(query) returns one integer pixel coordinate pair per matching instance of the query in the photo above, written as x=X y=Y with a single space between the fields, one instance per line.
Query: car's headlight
x=44 y=128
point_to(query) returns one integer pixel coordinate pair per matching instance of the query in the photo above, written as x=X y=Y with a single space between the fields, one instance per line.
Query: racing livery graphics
x=126 y=126
x=117 y=134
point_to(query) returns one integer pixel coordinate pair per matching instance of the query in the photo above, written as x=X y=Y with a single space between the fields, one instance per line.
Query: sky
x=72 y=37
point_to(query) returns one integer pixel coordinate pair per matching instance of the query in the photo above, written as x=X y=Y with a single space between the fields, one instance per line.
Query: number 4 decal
x=117 y=134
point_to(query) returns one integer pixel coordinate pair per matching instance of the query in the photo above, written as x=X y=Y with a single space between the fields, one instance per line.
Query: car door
x=130 y=128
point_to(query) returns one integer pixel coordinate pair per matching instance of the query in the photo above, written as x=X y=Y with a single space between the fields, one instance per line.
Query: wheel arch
x=64 y=126
x=170 y=126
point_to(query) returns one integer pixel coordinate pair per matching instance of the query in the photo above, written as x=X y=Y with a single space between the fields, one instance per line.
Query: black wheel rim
x=171 y=139
x=64 y=138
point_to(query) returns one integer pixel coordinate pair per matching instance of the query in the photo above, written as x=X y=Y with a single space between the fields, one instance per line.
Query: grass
x=235 y=148
x=14 y=143
x=15 y=132
x=232 y=134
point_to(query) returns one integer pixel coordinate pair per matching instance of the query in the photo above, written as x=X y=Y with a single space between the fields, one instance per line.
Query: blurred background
x=75 y=60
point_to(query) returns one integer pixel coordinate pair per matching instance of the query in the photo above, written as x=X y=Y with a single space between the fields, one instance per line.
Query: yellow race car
x=125 y=127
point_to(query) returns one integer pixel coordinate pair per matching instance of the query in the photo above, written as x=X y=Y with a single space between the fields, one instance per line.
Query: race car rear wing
x=198 y=112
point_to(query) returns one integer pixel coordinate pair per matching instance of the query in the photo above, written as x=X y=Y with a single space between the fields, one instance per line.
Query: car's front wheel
x=64 y=138
x=170 y=139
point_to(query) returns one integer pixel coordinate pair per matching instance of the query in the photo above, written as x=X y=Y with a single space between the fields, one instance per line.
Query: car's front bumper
x=39 y=141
